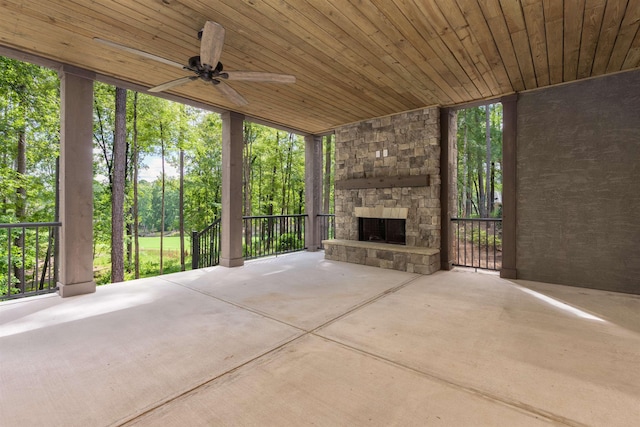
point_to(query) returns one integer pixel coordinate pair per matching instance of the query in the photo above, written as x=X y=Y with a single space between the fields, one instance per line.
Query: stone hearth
x=411 y=259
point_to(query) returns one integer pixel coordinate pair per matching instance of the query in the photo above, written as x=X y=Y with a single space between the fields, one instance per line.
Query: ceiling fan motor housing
x=196 y=64
x=205 y=74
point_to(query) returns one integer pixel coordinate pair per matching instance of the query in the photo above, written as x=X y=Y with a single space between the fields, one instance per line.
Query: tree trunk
x=465 y=170
x=129 y=223
x=286 y=178
x=162 y=201
x=247 y=178
x=129 y=240
x=108 y=160
x=469 y=200
x=481 y=195
x=300 y=203
x=136 y=218
x=260 y=195
x=283 y=170
x=181 y=210
x=21 y=168
x=488 y=174
x=5 y=199
x=270 y=208
x=21 y=204
x=492 y=195
x=117 y=189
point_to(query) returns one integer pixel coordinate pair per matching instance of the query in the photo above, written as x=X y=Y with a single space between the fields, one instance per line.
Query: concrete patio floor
x=298 y=340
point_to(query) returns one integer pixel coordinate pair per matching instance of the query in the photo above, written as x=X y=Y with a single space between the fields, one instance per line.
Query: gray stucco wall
x=578 y=184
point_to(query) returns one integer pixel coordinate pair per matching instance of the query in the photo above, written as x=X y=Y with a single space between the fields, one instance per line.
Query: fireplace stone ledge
x=412 y=259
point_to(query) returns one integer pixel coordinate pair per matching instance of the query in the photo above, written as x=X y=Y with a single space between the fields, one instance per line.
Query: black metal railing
x=327 y=226
x=478 y=242
x=28 y=261
x=262 y=236
x=273 y=235
x=205 y=246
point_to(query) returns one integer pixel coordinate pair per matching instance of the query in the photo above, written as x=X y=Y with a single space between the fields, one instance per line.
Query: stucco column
x=231 y=217
x=448 y=190
x=312 y=190
x=76 y=184
x=510 y=115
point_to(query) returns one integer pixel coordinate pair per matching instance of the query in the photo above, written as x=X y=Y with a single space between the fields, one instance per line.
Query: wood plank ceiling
x=353 y=59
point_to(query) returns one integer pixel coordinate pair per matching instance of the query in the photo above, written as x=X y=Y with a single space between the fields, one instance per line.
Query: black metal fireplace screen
x=382 y=230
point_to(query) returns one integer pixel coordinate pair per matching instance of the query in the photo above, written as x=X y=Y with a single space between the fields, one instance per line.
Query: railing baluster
x=35 y=275
x=263 y=236
x=494 y=245
x=326 y=225
x=468 y=233
x=472 y=248
x=9 y=263
x=25 y=267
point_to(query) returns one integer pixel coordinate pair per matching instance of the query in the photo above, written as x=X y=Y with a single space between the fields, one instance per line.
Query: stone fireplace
x=389 y=169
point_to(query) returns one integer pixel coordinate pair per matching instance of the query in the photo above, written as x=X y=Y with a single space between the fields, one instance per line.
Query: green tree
x=29 y=146
x=203 y=173
x=479 y=159
x=29 y=135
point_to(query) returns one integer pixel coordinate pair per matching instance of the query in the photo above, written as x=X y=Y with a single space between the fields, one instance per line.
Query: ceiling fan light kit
x=207 y=66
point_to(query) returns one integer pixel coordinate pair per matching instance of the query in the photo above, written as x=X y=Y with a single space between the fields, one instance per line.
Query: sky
x=150 y=169
x=154 y=169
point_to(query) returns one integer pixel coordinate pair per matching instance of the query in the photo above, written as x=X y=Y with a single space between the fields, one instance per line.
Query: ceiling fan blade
x=211 y=43
x=258 y=76
x=138 y=52
x=231 y=93
x=172 y=83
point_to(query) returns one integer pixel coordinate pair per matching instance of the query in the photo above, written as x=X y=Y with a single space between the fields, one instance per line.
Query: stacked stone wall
x=412 y=141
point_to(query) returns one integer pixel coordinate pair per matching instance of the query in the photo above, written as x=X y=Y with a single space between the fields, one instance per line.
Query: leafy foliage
x=472 y=161
x=162 y=132
x=29 y=146
x=29 y=106
x=289 y=241
x=481 y=238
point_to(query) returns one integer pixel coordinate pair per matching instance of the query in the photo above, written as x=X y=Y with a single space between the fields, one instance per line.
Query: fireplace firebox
x=382 y=230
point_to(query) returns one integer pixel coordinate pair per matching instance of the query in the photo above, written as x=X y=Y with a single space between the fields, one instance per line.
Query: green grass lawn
x=149 y=258
x=169 y=243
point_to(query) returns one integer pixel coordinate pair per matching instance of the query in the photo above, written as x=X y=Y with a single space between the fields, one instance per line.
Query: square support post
x=231 y=216
x=509 y=175
x=313 y=190
x=448 y=188
x=76 y=184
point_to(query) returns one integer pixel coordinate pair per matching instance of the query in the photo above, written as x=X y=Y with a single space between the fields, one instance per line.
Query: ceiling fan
x=207 y=65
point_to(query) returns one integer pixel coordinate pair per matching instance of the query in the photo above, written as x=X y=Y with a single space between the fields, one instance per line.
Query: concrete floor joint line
x=304 y=333
x=519 y=406
x=367 y=302
x=128 y=420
